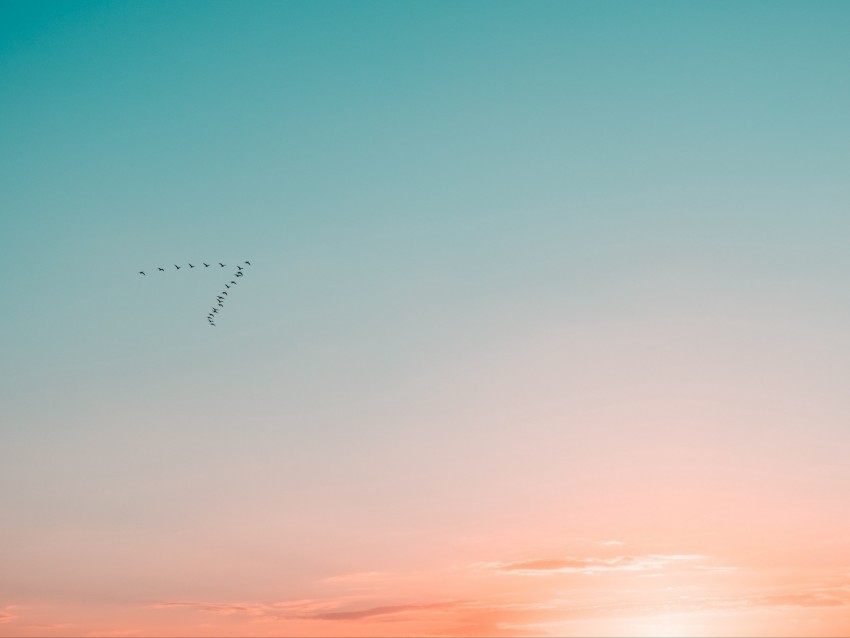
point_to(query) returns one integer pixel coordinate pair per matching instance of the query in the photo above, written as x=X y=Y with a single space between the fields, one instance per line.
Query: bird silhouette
x=223 y=292
x=248 y=262
x=205 y=265
x=227 y=285
x=233 y=282
x=161 y=269
x=141 y=273
x=215 y=309
x=221 y=264
x=239 y=267
x=239 y=274
x=177 y=267
x=191 y=266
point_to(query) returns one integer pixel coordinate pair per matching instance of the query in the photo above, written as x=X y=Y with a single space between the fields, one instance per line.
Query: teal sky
x=475 y=228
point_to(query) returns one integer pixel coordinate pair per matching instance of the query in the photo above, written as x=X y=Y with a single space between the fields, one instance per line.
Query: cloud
x=6 y=613
x=592 y=565
x=381 y=611
x=507 y=618
x=306 y=609
x=820 y=597
x=222 y=609
x=359 y=577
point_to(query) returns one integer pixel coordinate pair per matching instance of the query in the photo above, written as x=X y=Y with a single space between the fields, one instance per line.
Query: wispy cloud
x=820 y=597
x=7 y=613
x=590 y=565
x=517 y=618
x=447 y=617
x=222 y=609
x=308 y=609
x=359 y=614
x=359 y=577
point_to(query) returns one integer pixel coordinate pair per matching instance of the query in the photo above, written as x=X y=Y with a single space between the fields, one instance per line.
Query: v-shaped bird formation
x=220 y=297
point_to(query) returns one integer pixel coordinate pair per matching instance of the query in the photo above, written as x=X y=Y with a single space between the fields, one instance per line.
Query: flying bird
x=223 y=295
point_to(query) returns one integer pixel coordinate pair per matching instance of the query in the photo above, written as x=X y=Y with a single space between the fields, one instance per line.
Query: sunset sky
x=546 y=331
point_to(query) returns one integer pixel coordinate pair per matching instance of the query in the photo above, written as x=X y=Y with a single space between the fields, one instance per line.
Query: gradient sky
x=547 y=330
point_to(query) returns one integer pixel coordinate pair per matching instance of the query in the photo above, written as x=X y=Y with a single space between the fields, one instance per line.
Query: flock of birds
x=222 y=296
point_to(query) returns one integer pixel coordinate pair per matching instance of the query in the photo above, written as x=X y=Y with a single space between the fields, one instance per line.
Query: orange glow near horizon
x=611 y=592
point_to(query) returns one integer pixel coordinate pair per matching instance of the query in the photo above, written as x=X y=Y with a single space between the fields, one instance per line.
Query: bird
x=215 y=309
x=248 y=262
x=177 y=267
x=221 y=264
x=206 y=265
x=227 y=285
x=161 y=269
x=233 y=282
x=239 y=267
x=239 y=274
x=191 y=266
x=223 y=292
x=141 y=273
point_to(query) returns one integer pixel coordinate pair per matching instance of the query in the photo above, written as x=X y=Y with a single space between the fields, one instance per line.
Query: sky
x=546 y=330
